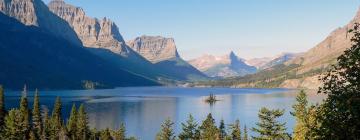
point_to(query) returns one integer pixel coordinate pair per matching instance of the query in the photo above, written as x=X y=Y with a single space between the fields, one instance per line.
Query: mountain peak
x=93 y=33
x=36 y=13
x=154 y=48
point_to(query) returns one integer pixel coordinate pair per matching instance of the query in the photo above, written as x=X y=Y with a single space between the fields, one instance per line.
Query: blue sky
x=251 y=28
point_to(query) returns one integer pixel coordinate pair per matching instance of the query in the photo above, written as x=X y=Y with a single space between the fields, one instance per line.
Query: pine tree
x=120 y=133
x=222 y=129
x=105 y=135
x=245 y=133
x=56 y=121
x=208 y=129
x=2 y=106
x=14 y=129
x=166 y=132
x=32 y=136
x=82 y=124
x=313 y=123
x=339 y=114
x=236 y=130
x=94 y=134
x=2 y=111
x=301 y=130
x=190 y=130
x=268 y=126
x=36 y=117
x=46 y=126
x=25 y=113
x=72 y=123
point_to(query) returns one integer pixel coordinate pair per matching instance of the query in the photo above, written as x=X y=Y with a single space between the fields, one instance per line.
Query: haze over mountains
x=231 y=65
x=303 y=70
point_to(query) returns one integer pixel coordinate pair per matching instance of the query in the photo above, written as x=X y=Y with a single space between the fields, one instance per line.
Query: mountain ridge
x=75 y=67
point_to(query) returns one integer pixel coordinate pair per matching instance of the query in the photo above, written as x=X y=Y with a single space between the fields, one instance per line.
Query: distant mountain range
x=231 y=65
x=300 y=70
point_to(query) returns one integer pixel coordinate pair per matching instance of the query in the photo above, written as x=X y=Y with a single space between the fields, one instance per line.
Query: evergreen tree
x=236 y=130
x=339 y=114
x=301 y=130
x=208 y=129
x=222 y=133
x=2 y=106
x=32 y=136
x=268 y=126
x=72 y=123
x=120 y=133
x=25 y=113
x=94 y=134
x=105 y=135
x=313 y=123
x=56 y=121
x=36 y=117
x=14 y=129
x=82 y=124
x=166 y=132
x=190 y=130
x=46 y=125
x=245 y=133
x=2 y=111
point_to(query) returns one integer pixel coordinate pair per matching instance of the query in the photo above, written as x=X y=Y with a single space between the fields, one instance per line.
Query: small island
x=211 y=99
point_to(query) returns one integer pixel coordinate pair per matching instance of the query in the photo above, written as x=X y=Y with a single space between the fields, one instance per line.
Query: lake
x=143 y=109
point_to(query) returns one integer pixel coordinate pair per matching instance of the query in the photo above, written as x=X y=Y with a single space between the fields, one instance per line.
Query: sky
x=250 y=28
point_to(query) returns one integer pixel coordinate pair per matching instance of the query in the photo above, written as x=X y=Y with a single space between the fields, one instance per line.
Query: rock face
x=222 y=66
x=163 y=54
x=154 y=48
x=36 y=13
x=95 y=33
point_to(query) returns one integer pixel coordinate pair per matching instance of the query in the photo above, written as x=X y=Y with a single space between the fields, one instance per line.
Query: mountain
x=36 y=13
x=304 y=69
x=102 y=37
x=93 y=32
x=268 y=62
x=35 y=56
x=223 y=66
x=154 y=48
x=163 y=54
x=280 y=59
x=322 y=56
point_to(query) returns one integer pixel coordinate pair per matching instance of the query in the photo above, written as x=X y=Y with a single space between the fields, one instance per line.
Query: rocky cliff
x=222 y=66
x=154 y=48
x=163 y=54
x=36 y=13
x=93 y=32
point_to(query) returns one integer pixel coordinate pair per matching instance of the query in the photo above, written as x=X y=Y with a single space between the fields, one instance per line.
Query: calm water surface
x=143 y=109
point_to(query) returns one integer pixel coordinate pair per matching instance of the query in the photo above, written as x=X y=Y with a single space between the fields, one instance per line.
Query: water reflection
x=144 y=109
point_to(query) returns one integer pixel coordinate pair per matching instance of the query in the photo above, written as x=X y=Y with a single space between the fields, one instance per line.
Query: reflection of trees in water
x=139 y=114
